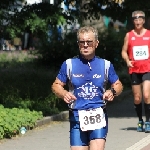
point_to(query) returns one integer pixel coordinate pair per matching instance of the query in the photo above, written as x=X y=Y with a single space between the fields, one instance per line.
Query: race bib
x=92 y=119
x=140 y=52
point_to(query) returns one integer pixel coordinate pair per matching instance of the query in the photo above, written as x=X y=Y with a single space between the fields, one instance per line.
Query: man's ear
x=97 y=42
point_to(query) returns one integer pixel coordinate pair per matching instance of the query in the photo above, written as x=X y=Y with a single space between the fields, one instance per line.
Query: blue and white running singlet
x=87 y=84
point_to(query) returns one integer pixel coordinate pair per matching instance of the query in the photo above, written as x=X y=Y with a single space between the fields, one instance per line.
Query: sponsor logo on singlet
x=78 y=75
x=145 y=38
x=133 y=38
x=96 y=76
x=88 y=91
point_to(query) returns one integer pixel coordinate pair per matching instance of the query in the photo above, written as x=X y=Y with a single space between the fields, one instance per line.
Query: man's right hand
x=69 y=97
x=130 y=63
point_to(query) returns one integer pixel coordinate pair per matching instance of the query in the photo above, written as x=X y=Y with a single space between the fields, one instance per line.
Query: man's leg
x=146 y=96
x=137 y=93
x=78 y=139
x=98 y=136
x=97 y=144
x=79 y=148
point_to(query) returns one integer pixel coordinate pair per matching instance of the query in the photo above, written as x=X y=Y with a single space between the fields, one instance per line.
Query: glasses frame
x=88 y=42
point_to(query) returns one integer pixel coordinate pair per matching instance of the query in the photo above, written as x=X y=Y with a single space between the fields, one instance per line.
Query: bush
x=56 y=51
x=124 y=77
x=27 y=84
x=11 y=120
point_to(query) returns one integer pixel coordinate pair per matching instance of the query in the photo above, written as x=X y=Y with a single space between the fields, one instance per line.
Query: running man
x=136 y=53
x=87 y=98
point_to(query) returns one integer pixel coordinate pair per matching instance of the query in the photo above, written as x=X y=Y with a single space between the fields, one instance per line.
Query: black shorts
x=138 y=78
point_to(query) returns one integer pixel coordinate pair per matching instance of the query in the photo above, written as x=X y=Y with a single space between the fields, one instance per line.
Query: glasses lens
x=89 y=43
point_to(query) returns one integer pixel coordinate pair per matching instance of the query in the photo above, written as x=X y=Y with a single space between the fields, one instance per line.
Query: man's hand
x=130 y=63
x=69 y=97
x=108 y=95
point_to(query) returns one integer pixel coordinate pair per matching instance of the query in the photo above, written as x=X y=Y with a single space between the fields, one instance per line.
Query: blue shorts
x=82 y=138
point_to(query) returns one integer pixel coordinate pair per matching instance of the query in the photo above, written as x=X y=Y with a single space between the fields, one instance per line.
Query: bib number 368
x=92 y=119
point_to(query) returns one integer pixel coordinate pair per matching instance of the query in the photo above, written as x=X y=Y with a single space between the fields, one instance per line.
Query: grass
x=27 y=84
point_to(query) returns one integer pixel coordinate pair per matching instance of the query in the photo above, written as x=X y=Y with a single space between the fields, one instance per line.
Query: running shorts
x=138 y=78
x=82 y=138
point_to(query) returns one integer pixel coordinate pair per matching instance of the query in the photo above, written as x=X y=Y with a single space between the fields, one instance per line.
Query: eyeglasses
x=82 y=43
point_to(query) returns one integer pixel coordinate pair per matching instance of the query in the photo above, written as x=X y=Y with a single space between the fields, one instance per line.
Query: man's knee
x=146 y=96
x=137 y=98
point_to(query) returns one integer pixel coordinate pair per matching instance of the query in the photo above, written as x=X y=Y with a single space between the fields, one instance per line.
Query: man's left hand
x=108 y=95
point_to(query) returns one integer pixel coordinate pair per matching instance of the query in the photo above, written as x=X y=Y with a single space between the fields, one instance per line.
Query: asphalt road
x=122 y=134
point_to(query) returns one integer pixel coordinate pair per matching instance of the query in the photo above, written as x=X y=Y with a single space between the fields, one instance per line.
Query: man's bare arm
x=124 y=52
x=118 y=87
x=59 y=91
x=58 y=88
x=109 y=95
x=125 y=48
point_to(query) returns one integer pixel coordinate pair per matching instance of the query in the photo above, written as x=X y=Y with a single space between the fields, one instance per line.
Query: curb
x=64 y=115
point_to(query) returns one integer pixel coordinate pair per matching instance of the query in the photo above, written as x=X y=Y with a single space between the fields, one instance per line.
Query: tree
x=43 y=17
x=36 y=17
x=90 y=12
x=116 y=9
x=5 y=9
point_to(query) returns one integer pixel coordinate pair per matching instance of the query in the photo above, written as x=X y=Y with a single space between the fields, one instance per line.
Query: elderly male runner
x=87 y=114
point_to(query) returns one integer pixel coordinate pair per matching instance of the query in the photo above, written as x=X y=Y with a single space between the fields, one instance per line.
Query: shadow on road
x=122 y=106
x=129 y=129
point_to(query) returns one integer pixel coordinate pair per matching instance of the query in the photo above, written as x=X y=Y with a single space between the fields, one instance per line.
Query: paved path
x=122 y=133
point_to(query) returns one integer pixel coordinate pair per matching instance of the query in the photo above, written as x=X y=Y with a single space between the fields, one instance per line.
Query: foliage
x=6 y=9
x=117 y=10
x=42 y=19
x=56 y=51
x=50 y=105
x=124 y=78
x=26 y=84
x=36 y=18
x=110 y=46
x=11 y=120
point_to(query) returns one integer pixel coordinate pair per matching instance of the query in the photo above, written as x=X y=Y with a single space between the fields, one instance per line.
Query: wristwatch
x=113 y=91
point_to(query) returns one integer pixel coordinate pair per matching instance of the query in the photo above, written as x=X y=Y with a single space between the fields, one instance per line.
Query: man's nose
x=138 y=21
x=85 y=43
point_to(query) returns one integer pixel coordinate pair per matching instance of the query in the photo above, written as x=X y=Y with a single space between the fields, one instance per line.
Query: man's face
x=87 y=44
x=138 y=21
